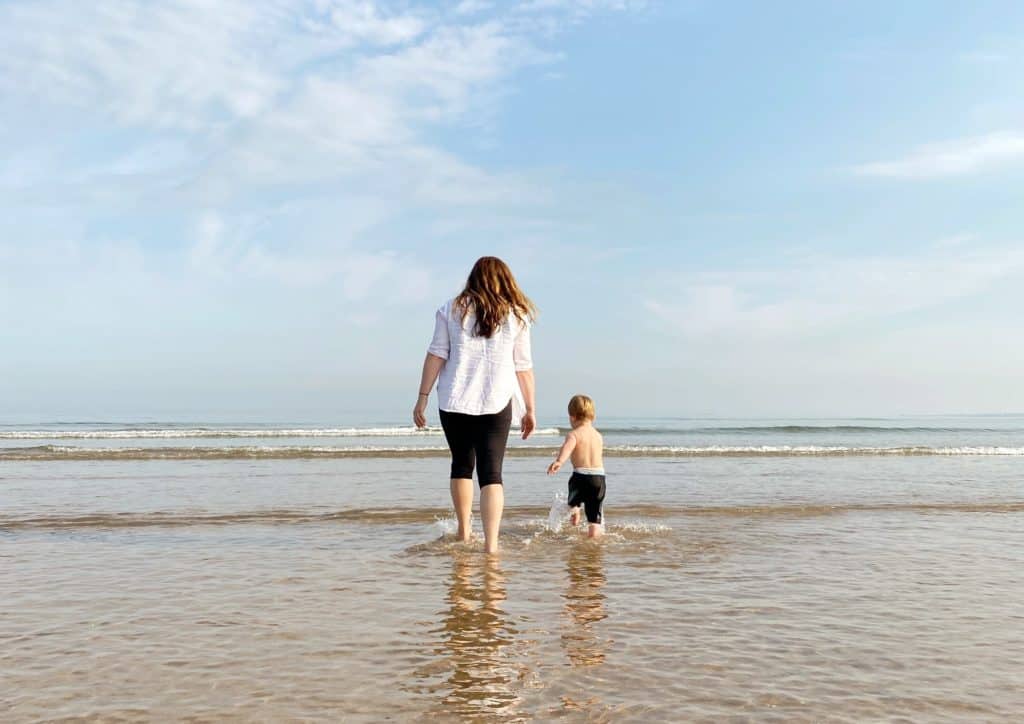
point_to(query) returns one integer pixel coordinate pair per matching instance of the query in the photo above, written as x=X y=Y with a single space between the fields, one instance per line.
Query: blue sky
x=734 y=209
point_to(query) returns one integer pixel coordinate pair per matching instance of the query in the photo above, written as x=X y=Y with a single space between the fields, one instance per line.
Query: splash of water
x=447 y=526
x=559 y=512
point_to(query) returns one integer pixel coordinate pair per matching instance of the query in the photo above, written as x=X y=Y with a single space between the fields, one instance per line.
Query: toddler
x=585 y=446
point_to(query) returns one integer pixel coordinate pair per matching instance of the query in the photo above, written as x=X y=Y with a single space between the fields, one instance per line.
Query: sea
x=838 y=570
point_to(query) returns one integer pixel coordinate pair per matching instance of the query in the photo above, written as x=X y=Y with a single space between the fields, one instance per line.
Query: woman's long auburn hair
x=492 y=293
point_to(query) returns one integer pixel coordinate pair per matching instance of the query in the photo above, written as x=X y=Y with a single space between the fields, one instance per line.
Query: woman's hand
x=526 y=386
x=419 y=416
x=432 y=365
x=554 y=467
x=527 y=424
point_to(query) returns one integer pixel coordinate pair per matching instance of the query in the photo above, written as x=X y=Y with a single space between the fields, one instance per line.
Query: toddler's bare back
x=589 y=450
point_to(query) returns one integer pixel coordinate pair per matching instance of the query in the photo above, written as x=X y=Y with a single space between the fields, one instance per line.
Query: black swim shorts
x=587 y=490
x=479 y=440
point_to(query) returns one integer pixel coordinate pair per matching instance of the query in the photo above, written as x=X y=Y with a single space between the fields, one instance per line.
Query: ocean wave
x=210 y=452
x=276 y=452
x=640 y=517
x=794 y=429
x=169 y=431
x=205 y=432
x=840 y=428
x=804 y=451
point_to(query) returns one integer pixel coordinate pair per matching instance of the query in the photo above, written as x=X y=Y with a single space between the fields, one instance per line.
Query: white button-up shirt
x=479 y=376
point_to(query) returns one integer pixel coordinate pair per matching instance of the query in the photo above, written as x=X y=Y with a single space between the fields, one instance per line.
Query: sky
x=217 y=208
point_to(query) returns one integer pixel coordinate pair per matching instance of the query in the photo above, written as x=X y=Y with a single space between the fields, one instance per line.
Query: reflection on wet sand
x=584 y=605
x=475 y=634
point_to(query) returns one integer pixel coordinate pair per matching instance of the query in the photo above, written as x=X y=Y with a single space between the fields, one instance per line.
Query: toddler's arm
x=563 y=454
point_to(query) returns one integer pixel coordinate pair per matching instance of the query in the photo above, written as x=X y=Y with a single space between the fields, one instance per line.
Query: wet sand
x=790 y=590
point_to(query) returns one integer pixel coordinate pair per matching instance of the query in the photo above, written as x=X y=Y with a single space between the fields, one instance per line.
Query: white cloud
x=201 y=64
x=192 y=64
x=579 y=7
x=171 y=65
x=815 y=295
x=267 y=91
x=275 y=167
x=438 y=78
x=993 y=51
x=301 y=246
x=952 y=158
x=472 y=7
x=984 y=57
x=363 y=21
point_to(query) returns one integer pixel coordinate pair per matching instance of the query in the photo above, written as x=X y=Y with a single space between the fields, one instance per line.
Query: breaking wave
x=213 y=432
x=292 y=452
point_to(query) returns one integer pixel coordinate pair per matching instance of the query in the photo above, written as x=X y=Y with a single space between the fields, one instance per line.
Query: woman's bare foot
x=574 y=517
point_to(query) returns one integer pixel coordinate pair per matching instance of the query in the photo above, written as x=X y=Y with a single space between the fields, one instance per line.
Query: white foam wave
x=809 y=450
x=198 y=452
x=200 y=432
x=56 y=452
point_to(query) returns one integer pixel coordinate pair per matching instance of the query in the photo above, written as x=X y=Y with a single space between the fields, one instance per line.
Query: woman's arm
x=526 y=385
x=522 y=357
x=437 y=355
x=432 y=365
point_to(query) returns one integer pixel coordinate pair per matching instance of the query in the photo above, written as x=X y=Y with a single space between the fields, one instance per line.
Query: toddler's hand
x=554 y=467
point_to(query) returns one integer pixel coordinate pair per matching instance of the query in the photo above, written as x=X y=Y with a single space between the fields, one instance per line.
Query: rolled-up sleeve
x=521 y=354
x=440 y=345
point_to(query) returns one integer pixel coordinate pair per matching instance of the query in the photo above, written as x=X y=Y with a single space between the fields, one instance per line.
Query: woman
x=480 y=358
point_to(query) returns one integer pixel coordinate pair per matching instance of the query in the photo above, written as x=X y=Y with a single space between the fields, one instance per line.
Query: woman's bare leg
x=462 y=499
x=492 y=503
x=595 y=530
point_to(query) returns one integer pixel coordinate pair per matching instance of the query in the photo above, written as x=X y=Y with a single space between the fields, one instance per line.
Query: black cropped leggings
x=479 y=440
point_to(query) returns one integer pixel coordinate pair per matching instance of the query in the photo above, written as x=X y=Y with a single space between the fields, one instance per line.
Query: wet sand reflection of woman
x=475 y=633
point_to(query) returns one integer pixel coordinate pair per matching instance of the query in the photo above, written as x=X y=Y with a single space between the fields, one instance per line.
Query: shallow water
x=773 y=588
